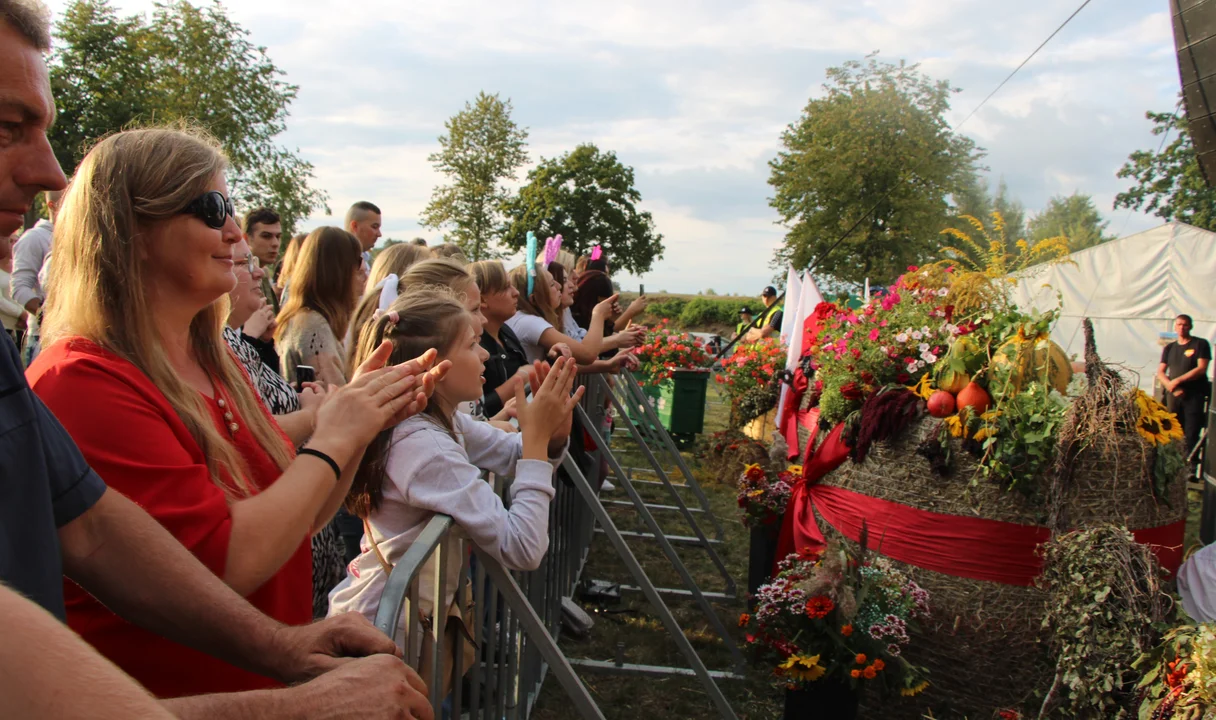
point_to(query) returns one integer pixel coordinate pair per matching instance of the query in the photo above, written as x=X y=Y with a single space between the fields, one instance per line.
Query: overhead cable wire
x=865 y=216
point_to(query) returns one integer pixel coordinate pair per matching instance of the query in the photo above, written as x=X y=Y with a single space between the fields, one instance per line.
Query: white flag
x=808 y=298
x=793 y=287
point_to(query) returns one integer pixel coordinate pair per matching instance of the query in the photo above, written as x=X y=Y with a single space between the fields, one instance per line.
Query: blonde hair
x=440 y=271
x=541 y=302
x=323 y=280
x=452 y=251
x=490 y=275
x=97 y=287
x=566 y=258
x=428 y=317
x=395 y=260
x=290 y=252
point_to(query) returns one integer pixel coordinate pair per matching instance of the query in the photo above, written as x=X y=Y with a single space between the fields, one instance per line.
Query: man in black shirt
x=1184 y=375
x=58 y=518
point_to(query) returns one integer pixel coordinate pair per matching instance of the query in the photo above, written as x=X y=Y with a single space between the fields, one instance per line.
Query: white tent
x=1132 y=289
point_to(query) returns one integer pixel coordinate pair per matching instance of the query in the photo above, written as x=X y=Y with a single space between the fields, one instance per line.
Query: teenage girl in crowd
x=536 y=321
x=136 y=369
x=432 y=463
x=506 y=355
x=392 y=261
x=537 y=318
x=326 y=281
x=593 y=286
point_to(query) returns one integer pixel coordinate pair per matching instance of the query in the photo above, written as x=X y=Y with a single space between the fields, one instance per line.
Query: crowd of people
x=218 y=440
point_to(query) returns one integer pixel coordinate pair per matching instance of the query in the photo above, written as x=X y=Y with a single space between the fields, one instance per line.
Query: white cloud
x=694 y=96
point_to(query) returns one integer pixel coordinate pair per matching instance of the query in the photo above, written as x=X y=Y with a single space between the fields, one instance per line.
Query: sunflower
x=803 y=667
x=1159 y=428
x=916 y=689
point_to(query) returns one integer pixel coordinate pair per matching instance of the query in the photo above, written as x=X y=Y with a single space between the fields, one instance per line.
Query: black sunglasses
x=212 y=208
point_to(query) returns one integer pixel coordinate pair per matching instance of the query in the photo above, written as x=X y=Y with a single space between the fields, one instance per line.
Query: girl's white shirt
x=431 y=472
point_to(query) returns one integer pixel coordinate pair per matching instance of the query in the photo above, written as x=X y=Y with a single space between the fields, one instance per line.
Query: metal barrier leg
x=536 y=631
x=688 y=517
x=652 y=417
x=669 y=622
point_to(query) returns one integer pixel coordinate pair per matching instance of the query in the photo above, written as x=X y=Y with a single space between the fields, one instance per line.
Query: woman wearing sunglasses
x=326 y=280
x=136 y=369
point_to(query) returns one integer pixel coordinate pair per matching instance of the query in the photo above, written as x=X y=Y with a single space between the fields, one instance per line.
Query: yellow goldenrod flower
x=923 y=388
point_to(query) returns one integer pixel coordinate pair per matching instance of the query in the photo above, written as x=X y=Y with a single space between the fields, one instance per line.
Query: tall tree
x=183 y=63
x=586 y=196
x=878 y=139
x=976 y=200
x=1074 y=217
x=1169 y=183
x=482 y=148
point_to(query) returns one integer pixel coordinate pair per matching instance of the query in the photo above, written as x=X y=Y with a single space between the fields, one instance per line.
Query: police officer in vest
x=745 y=319
x=769 y=324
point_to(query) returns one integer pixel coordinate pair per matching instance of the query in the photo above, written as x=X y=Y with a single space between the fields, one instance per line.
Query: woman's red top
x=132 y=437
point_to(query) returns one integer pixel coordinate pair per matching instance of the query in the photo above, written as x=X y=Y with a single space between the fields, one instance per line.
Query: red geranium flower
x=850 y=391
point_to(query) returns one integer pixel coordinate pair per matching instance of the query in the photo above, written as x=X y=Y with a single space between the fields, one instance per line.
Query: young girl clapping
x=432 y=462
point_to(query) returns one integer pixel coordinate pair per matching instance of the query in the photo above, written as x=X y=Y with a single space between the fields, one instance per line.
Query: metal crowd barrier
x=518 y=614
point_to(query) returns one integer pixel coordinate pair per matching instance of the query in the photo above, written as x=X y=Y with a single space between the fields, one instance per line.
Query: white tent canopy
x=1132 y=289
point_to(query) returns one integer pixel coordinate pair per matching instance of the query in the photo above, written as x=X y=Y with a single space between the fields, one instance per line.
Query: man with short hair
x=1184 y=375
x=29 y=257
x=264 y=233
x=363 y=221
x=57 y=518
x=769 y=324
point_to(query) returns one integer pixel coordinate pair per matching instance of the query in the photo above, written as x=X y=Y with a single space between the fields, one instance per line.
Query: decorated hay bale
x=985 y=647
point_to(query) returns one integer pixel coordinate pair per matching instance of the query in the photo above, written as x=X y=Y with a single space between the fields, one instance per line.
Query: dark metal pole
x=739 y=337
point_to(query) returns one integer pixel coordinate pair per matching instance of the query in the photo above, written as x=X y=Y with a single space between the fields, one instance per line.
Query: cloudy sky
x=694 y=96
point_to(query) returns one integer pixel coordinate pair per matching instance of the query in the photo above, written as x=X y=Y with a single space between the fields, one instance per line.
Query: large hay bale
x=984 y=646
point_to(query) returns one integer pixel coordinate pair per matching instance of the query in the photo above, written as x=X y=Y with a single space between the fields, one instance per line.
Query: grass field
x=637 y=627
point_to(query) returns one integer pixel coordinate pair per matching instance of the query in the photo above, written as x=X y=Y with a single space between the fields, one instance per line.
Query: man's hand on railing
x=372 y=688
x=545 y=420
x=307 y=651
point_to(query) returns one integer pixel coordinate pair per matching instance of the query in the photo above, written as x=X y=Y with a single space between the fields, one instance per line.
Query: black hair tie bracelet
x=333 y=465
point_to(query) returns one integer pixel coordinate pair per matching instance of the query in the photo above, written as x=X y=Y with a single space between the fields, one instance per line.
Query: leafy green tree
x=1074 y=217
x=877 y=139
x=588 y=197
x=976 y=200
x=1169 y=183
x=187 y=63
x=482 y=148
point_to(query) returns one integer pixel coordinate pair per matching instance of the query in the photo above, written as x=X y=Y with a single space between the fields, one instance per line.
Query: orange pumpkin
x=975 y=398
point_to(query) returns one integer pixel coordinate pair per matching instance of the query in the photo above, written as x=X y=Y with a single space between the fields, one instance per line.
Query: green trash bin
x=679 y=402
